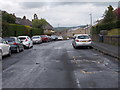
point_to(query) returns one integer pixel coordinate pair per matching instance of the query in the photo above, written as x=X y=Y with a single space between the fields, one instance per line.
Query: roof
x=23 y=36
x=81 y=34
x=23 y=22
x=48 y=27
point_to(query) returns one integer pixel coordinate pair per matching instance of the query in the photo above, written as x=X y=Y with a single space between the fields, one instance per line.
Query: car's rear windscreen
x=9 y=39
x=22 y=38
x=83 y=37
x=35 y=37
x=44 y=36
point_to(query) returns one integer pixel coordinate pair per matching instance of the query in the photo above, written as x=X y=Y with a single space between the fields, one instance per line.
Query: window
x=83 y=37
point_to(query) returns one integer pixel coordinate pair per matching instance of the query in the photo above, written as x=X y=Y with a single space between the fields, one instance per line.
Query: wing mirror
x=5 y=42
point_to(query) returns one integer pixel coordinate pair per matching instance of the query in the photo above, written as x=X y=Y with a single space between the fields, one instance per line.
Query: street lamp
x=90 y=22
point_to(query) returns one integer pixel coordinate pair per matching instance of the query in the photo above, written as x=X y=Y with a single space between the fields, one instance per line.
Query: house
x=72 y=32
x=23 y=21
x=117 y=12
x=48 y=29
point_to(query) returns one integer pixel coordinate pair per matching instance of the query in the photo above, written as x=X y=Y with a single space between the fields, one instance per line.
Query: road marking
x=82 y=71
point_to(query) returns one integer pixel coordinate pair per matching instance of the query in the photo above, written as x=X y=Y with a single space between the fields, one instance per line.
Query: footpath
x=108 y=49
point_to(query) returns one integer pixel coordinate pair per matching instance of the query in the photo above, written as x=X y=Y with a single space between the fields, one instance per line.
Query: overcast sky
x=59 y=12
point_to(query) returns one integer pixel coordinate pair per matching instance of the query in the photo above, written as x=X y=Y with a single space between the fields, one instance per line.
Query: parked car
x=54 y=37
x=15 y=44
x=82 y=40
x=4 y=48
x=26 y=40
x=45 y=38
x=50 y=38
x=60 y=38
x=68 y=38
x=36 y=39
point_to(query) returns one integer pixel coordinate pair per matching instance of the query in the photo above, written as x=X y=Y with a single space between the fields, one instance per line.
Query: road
x=59 y=65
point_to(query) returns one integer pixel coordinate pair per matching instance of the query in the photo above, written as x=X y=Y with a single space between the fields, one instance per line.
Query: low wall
x=114 y=40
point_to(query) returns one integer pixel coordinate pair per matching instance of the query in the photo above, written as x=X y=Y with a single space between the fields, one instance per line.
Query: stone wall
x=114 y=40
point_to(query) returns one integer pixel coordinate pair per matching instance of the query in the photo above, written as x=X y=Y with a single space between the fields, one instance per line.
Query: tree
x=9 y=18
x=109 y=15
x=39 y=23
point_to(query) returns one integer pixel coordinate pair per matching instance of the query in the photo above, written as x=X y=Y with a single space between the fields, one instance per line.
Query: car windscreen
x=22 y=38
x=35 y=37
x=83 y=37
x=44 y=36
x=9 y=39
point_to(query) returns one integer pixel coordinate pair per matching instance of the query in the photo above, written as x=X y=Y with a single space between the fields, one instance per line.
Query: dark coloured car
x=54 y=37
x=15 y=44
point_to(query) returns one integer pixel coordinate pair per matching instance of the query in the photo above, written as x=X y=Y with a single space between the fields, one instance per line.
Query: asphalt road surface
x=58 y=65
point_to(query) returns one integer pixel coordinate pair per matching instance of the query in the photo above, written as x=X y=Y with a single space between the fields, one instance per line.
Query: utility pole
x=90 y=23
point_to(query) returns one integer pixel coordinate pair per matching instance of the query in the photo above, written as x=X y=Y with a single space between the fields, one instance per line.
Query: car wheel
x=9 y=53
x=91 y=47
x=0 y=55
x=23 y=49
x=29 y=46
x=17 y=50
x=75 y=47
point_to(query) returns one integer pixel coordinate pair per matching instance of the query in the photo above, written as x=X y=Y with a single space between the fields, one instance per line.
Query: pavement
x=58 y=65
x=108 y=49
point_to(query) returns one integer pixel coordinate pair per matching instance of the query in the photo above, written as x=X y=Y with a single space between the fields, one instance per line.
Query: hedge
x=17 y=30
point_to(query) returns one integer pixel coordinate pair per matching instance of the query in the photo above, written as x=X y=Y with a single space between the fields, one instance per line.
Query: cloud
x=52 y=4
x=62 y=13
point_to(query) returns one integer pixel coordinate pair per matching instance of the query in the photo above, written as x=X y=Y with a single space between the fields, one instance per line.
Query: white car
x=4 y=48
x=60 y=38
x=26 y=40
x=36 y=39
x=82 y=40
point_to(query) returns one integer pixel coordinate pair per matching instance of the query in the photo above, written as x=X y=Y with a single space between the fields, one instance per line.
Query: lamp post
x=90 y=22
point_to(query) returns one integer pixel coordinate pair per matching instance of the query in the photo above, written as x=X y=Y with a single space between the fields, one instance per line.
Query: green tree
x=39 y=23
x=9 y=18
x=109 y=15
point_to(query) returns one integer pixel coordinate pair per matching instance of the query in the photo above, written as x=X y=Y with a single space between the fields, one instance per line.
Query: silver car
x=26 y=40
x=82 y=40
x=36 y=39
x=4 y=48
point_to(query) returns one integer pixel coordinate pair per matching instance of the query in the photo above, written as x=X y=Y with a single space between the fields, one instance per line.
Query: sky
x=62 y=13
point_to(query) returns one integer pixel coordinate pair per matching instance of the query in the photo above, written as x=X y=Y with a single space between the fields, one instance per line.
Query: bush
x=106 y=26
x=35 y=31
x=17 y=30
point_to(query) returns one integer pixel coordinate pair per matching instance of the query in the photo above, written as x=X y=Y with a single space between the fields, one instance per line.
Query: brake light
x=14 y=43
x=77 y=40
x=26 y=40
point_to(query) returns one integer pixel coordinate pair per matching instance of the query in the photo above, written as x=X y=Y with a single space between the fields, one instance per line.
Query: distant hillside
x=67 y=28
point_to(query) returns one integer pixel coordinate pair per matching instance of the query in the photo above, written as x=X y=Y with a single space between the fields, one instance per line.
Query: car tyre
x=23 y=49
x=90 y=47
x=75 y=47
x=9 y=53
x=17 y=50
x=0 y=55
